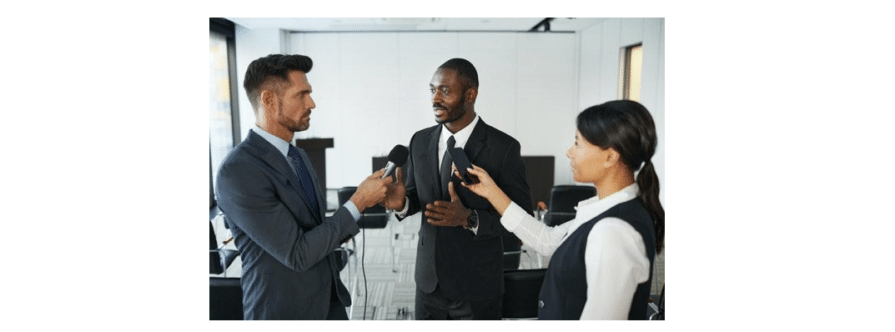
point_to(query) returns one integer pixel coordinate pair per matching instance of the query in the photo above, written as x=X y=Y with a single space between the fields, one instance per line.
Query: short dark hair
x=469 y=77
x=272 y=69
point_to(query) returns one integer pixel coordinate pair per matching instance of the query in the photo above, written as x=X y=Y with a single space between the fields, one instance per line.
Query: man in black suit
x=270 y=194
x=459 y=262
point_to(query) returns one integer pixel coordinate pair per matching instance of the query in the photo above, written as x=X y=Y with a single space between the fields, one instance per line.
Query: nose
x=437 y=96
x=569 y=153
x=313 y=104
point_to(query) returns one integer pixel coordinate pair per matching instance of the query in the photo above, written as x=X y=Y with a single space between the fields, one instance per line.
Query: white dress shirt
x=615 y=259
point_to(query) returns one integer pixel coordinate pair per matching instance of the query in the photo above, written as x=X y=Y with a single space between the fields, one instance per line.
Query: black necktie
x=304 y=178
x=446 y=167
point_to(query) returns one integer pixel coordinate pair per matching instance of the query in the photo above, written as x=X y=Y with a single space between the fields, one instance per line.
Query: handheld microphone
x=396 y=159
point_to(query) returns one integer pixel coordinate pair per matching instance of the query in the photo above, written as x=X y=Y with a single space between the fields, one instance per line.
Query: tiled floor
x=391 y=292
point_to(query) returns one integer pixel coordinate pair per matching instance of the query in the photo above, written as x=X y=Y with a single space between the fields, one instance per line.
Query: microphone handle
x=390 y=170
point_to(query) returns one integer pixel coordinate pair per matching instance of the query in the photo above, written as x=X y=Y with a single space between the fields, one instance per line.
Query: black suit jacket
x=289 y=267
x=467 y=266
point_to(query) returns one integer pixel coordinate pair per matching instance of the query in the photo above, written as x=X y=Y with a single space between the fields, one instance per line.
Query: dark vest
x=564 y=291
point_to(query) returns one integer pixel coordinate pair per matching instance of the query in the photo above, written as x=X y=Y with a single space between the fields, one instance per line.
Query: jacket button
x=540 y=304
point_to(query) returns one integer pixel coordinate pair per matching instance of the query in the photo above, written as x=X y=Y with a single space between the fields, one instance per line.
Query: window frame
x=625 y=70
x=228 y=30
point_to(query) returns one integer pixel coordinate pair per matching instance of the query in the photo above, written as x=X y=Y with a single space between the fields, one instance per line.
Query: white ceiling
x=413 y=24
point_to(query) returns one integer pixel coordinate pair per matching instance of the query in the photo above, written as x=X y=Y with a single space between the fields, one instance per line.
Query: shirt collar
x=277 y=142
x=461 y=136
x=594 y=206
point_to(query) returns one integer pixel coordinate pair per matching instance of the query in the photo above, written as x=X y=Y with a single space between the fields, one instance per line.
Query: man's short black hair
x=469 y=77
x=272 y=69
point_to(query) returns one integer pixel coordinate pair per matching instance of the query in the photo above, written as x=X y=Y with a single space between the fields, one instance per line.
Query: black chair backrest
x=214 y=258
x=225 y=297
x=345 y=194
x=557 y=218
x=521 y=290
x=373 y=217
x=565 y=198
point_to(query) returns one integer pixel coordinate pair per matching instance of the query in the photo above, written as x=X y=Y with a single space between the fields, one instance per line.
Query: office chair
x=374 y=217
x=658 y=311
x=219 y=258
x=563 y=200
x=557 y=218
x=512 y=251
x=521 y=290
x=225 y=298
x=566 y=197
x=225 y=294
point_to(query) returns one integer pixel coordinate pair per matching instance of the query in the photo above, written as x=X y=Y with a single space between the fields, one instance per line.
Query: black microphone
x=396 y=159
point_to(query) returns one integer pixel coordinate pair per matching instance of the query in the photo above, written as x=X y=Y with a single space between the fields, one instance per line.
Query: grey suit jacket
x=468 y=267
x=289 y=267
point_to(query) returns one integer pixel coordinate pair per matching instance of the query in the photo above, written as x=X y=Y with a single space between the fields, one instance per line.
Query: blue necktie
x=304 y=178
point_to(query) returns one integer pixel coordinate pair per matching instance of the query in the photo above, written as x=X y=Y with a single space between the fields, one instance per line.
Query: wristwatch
x=473 y=220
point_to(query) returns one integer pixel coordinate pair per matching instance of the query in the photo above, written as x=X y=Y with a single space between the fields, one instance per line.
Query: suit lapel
x=266 y=152
x=430 y=157
x=476 y=140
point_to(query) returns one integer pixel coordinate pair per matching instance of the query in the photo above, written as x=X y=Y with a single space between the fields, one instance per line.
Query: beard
x=454 y=113
x=293 y=125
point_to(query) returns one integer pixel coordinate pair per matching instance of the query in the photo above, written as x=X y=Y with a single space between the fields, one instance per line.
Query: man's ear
x=471 y=94
x=268 y=99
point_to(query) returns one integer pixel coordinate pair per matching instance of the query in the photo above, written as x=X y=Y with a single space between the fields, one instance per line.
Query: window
x=223 y=116
x=630 y=72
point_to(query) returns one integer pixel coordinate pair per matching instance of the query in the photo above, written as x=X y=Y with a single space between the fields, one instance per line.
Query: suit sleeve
x=413 y=200
x=249 y=198
x=512 y=181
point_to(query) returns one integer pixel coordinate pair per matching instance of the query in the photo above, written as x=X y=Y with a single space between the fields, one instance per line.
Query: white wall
x=252 y=44
x=371 y=89
x=601 y=47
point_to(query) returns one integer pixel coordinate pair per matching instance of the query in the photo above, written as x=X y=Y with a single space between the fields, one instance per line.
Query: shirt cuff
x=403 y=213
x=353 y=209
x=513 y=216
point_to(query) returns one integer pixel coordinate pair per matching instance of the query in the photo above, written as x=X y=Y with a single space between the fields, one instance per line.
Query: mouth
x=439 y=111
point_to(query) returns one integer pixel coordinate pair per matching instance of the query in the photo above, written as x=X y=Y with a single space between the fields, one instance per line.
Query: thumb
x=453 y=193
x=400 y=175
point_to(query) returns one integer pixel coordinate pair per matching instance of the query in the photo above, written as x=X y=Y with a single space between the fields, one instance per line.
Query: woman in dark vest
x=602 y=260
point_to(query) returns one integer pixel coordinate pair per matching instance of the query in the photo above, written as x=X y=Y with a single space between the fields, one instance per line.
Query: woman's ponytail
x=648 y=182
x=628 y=127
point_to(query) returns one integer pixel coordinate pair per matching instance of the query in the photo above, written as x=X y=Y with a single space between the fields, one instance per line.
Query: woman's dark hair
x=628 y=128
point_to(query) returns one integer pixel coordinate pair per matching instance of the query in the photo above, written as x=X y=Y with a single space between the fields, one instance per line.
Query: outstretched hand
x=395 y=192
x=371 y=191
x=486 y=187
x=448 y=214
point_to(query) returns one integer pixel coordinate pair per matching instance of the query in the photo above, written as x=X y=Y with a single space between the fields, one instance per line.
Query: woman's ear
x=612 y=157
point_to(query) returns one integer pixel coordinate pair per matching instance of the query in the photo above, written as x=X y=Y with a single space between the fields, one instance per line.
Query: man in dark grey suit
x=269 y=191
x=459 y=260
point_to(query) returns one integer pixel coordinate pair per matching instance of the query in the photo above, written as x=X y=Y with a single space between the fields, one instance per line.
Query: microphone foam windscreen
x=398 y=156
